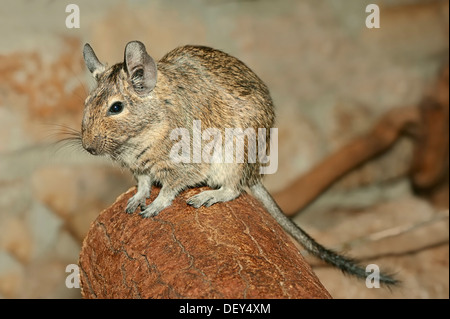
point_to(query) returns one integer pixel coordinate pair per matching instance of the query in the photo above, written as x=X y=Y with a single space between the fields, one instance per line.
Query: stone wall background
x=331 y=78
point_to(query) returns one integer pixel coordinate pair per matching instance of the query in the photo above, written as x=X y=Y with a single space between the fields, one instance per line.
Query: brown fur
x=193 y=83
x=189 y=83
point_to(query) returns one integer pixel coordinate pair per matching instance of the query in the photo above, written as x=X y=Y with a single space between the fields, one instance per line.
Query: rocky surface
x=331 y=79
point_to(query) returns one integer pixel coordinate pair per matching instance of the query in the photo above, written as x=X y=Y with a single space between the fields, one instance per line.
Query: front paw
x=135 y=202
x=155 y=207
x=151 y=211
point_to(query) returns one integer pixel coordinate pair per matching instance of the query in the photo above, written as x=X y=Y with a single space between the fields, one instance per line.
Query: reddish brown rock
x=228 y=250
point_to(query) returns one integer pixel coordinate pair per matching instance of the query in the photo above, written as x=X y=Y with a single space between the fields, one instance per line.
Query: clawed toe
x=151 y=211
x=201 y=199
x=135 y=202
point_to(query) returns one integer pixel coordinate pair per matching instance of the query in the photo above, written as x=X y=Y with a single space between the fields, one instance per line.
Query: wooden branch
x=430 y=163
x=228 y=250
x=308 y=187
x=401 y=240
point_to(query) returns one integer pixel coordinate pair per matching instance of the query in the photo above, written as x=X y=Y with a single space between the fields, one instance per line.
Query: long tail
x=347 y=265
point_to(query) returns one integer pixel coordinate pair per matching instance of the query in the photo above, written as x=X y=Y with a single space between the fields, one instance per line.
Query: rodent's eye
x=115 y=108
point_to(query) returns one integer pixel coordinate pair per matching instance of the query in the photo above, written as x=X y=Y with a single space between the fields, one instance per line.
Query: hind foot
x=210 y=197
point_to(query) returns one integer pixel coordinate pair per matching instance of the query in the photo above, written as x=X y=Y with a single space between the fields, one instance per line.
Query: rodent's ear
x=140 y=67
x=92 y=62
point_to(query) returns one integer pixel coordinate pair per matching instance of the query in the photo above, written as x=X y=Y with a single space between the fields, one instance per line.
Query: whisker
x=80 y=82
x=62 y=138
x=73 y=143
x=92 y=83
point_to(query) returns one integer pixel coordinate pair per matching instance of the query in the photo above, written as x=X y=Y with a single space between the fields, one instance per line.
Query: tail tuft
x=347 y=265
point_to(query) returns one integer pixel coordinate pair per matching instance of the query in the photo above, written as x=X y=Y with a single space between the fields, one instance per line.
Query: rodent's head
x=120 y=106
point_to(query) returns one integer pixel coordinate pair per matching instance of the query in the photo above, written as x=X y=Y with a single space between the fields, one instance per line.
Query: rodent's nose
x=91 y=150
x=92 y=143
